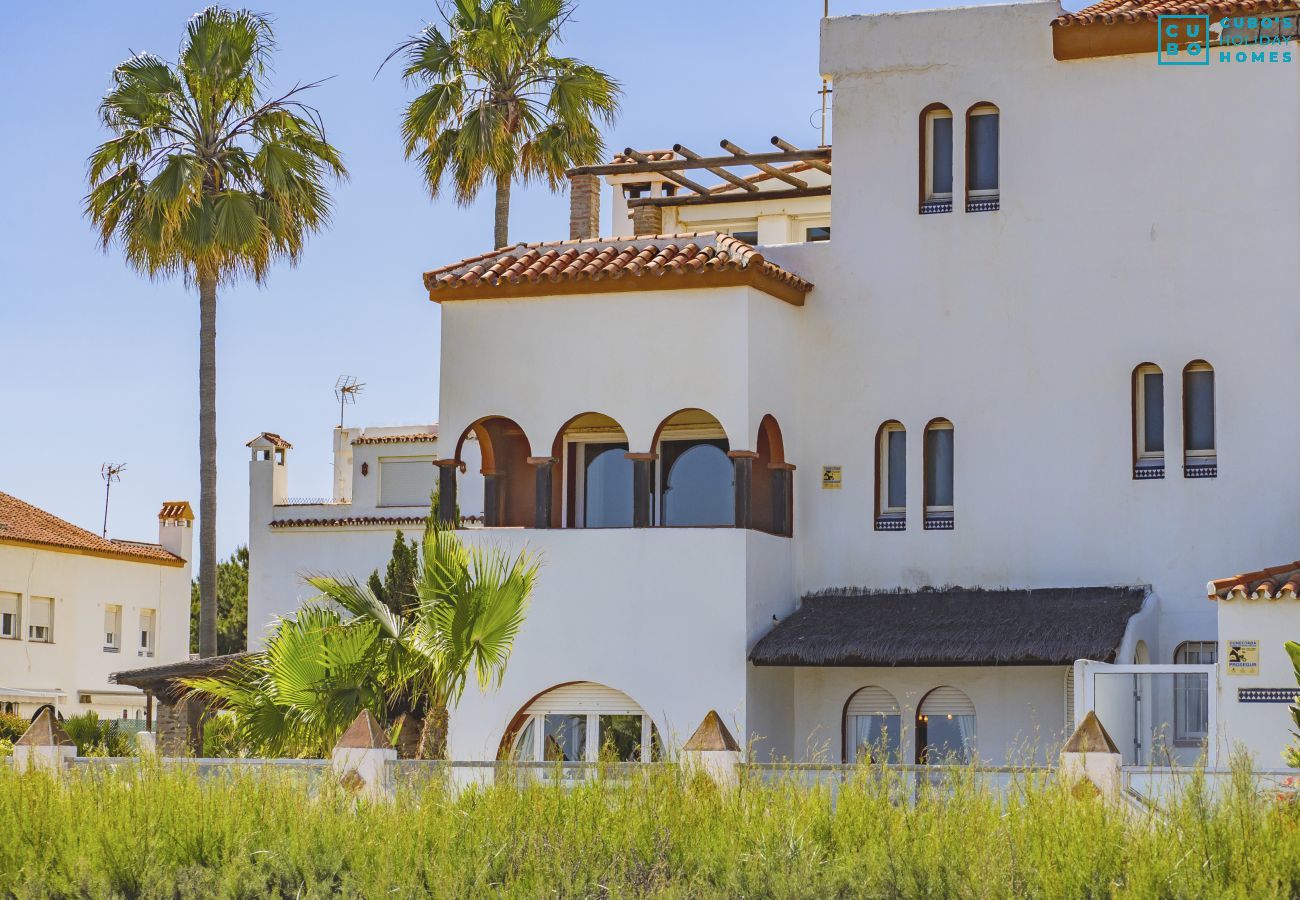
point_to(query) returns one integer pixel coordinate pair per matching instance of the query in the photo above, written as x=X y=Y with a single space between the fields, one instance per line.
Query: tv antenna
x=826 y=88
x=110 y=472
x=345 y=392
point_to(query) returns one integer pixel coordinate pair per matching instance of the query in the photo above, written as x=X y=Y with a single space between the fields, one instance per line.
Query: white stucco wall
x=1262 y=728
x=76 y=662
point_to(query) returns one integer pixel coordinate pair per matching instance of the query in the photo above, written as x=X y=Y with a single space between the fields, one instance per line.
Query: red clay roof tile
x=22 y=523
x=1111 y=12
x=1260 y=585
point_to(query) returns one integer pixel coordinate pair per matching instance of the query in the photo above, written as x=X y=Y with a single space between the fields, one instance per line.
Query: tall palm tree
x=208 y=178
x=498 y=103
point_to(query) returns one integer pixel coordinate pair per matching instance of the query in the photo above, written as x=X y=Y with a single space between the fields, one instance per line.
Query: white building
x=76 y=607
x=1035 y=361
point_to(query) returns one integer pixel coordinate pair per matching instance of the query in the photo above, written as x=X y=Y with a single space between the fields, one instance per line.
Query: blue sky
x=100 y=363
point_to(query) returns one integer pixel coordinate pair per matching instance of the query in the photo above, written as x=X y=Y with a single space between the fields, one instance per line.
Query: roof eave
x=794 y=294
x=171 y=559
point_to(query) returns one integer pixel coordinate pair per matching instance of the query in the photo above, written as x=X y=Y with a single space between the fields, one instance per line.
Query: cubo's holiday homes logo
x=1195 y=40
x=1184 y=41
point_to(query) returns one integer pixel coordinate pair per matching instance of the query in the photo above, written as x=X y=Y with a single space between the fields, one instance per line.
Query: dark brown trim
x=710 y=199
x=704 y=162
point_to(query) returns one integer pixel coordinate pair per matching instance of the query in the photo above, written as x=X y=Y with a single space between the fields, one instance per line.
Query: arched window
x=945 y=728
x=771 y=488
x=936 y=159
x=1148 y=422
x=938 y=475
x=1200 y=458
x=982 y=158
x=891 y=477
x=872 y=727
x=696 y=482
x=582 y=722
x=597 y=486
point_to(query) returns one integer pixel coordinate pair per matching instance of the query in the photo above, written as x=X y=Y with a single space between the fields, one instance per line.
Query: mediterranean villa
x=931 y=462
x=74 y=606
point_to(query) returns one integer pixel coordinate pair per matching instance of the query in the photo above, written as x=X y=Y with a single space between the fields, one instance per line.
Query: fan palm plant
x=497 y=103
x=323 y=666
x=207 y=178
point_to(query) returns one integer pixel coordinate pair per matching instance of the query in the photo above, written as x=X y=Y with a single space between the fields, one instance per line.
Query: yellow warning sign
x=1243 y=657
x=831 y=478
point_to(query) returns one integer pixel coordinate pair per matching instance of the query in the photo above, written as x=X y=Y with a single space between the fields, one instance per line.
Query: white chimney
x=176 y=528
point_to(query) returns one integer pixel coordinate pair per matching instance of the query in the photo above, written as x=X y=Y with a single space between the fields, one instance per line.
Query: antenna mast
x=826 y=88
x=345 y=391
x=110 y=472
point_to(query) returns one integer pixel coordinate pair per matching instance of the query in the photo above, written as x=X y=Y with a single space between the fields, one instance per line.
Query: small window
x=936 y=159
x=407 y=482
x=1192 y=693
x=112 y=628
x=872 y=727
x=41 y=627
x=1200 y=456
x=749 y=237
x=1148 y=422
x=146 y=632
x=939 y=475
x=891 y=477
x=817 y=234
x=9 y=618
x=982 y=158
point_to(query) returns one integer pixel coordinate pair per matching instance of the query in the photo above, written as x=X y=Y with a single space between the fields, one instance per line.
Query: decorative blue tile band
x=891 y=523
x=1141 y=472
x=1268 y=695
x=1201 y=470
x=938 y=523
x=929 y=207
x=984 y=204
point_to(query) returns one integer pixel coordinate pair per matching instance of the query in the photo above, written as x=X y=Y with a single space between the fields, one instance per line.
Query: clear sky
x=100 y=365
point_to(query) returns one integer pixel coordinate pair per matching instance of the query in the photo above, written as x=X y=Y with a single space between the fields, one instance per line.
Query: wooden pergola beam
x=719 y=171
x=691 y=200
x=704 y=162
x=671 y=176
x=778 y=141
x=740 y=152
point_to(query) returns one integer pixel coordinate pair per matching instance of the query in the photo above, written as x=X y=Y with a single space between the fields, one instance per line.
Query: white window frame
x=1213 y=452
x=148 y=636
x=592 y=725
x=15 y=631
x=48 y=636
x=925 y=468
x=1140 y=412
x=581 y=439
x=1182 y=736
x=986 y=110
x=882 y=450
x=928 y=163
x=113 y=638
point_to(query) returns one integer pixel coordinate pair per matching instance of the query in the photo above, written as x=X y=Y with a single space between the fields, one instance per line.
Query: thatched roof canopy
x=952 y=627
x=165 y=681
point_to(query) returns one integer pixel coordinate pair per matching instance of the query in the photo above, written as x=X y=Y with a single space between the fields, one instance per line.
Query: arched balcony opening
x=945 y=728
x=692 y=476
x=771 y=487
x=873 y=729
x=507 y=480
x=591 y=475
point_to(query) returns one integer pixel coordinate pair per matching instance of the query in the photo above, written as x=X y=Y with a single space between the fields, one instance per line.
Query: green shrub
x=12 y=727
x=94 y=737
x=142 y=831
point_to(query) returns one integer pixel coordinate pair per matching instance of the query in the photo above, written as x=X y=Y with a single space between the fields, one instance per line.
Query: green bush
x=139 y=831
x=94 y=737
x=12 y=727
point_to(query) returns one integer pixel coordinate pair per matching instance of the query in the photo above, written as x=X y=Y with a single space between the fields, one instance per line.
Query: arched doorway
x=771 y=490
x=696 y=479
x=581 y=722
x=508 y=486
x=595 y=487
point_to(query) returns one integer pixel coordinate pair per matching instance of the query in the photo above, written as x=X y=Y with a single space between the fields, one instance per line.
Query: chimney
x=343 y=438
x=647 y=220
x=176 y=528
x=584 y=206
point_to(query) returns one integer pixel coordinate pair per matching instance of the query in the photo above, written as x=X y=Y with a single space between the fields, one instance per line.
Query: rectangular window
x=982 y=152
x=1148 y=422
x=749 y=237
x=41 y=627
x=938 y=468
x=1192 y=693
x=817 y=235
x=146 y=632
x=112 y=628
x=406 y=482
x=9 y=618
x=938 y=169
x=564 y=738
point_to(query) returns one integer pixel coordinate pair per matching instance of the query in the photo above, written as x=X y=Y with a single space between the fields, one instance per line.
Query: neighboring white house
x=75 y=607
x=1034 y=387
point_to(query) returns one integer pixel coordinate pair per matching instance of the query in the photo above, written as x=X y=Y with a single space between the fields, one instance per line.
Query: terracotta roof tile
x=1111 y=12
x=22 y=523
x=647 y=257
x=177 y=509
x=652 y=155
x=418 y=437
x=274 y=439
x=354 y=521
x=1274 y=583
